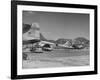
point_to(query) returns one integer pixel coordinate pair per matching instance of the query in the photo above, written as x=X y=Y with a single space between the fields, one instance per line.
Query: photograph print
x=53 y=39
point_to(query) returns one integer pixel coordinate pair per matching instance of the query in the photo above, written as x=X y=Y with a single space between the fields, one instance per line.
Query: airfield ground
x=57 y=58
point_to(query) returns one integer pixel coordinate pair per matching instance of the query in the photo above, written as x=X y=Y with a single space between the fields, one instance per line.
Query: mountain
x=63 y=41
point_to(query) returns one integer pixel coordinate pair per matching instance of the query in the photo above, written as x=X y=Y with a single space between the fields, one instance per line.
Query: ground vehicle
x=47 y=47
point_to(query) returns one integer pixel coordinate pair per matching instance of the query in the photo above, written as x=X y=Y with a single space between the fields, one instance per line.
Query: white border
x=21 y=71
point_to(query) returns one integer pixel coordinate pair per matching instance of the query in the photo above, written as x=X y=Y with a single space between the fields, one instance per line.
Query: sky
x=54 y=25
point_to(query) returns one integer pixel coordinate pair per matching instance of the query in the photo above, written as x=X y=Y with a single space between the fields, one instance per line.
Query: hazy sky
x=59 y=25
